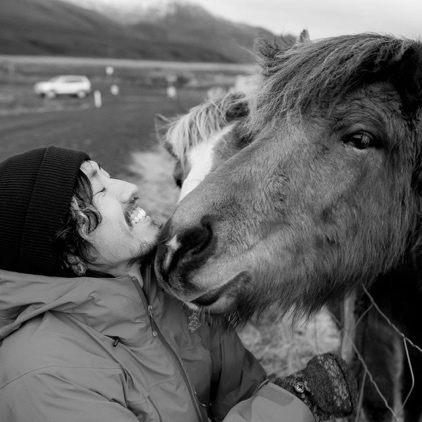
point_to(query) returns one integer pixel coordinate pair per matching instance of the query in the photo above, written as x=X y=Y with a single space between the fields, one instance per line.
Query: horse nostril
x=195 y=241
x=189 y=247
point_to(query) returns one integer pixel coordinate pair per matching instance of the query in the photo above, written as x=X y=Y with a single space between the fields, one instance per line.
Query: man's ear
x=77 y=266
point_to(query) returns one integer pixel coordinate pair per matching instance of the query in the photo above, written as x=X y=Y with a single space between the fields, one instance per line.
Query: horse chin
x=222 y=305
x=220 y=300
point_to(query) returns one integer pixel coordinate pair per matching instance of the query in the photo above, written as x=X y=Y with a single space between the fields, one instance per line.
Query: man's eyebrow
x=93 y=170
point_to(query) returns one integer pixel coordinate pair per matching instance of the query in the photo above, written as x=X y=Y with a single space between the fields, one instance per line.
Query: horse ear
x=269 y=51
x=408 y=79
x=304 y=36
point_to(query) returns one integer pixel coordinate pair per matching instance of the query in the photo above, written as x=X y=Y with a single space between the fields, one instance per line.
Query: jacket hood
x=111 y=306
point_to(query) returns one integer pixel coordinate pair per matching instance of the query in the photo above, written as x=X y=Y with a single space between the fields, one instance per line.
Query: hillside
x=43 y=27
x=194 y=27
x=188 y=33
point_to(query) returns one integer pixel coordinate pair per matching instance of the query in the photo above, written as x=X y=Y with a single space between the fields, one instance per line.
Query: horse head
x=323 y=191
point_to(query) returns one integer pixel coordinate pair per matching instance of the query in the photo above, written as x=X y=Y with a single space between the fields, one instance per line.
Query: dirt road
x=110 y=134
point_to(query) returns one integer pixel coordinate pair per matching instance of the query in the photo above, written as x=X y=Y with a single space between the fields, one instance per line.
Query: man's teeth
x=138 y=215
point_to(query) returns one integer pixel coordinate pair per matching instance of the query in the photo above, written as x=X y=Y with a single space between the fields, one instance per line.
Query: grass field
x=120 y=135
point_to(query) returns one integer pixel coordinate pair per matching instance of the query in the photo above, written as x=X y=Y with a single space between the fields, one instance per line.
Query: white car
x=64 y=85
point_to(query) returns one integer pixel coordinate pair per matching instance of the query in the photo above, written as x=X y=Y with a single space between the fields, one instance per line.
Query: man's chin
x=148 y=248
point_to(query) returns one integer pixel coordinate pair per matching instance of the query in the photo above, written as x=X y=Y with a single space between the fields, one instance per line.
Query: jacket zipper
x=157 y=333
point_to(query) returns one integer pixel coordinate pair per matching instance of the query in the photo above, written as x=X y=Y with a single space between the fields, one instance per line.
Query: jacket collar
x=111 y=306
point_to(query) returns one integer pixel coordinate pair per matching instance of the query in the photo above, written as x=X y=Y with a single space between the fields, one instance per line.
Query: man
x=88 y=335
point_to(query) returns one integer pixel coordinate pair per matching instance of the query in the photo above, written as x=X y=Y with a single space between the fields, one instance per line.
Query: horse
x=317 y=194
x=209 y=134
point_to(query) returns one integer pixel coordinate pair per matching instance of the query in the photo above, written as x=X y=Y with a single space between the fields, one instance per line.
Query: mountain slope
x=233 y=41
x=128 y=11
x=45 y=27
x=186 y=33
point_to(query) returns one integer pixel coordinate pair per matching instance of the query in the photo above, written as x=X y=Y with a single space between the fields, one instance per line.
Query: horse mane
x=310 y=73
x=182 y=133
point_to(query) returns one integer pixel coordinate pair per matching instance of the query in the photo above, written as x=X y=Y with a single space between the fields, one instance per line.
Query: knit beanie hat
x=36 y=188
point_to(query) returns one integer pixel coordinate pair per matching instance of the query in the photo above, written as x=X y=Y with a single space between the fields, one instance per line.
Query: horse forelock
x=315 y=73
x=201 y=123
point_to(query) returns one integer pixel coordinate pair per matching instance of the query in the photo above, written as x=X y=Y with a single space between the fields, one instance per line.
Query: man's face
x=125 y=232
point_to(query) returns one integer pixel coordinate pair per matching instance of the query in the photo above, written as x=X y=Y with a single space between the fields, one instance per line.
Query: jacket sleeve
x=270 y=403
x=242 y=392
x=48 y=396
x=237 y=374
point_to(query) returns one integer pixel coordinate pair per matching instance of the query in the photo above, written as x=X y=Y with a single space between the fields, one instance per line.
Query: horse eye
x=360 y=140
x=244 y=141
x=178 y=174
x=178 y=182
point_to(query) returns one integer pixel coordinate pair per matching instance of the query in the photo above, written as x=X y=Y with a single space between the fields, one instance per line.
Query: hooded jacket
x=101 y=350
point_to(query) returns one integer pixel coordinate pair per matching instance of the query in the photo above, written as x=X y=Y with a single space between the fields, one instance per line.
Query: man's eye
x=100 y=191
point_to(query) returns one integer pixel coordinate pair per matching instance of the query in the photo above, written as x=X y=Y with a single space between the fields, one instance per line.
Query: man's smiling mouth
x=134 y=214
x=137 y=215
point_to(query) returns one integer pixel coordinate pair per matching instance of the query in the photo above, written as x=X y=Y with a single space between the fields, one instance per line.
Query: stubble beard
x=147 y=248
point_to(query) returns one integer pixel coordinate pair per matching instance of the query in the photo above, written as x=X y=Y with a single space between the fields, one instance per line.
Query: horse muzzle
x=181 y=258
x=181 y=253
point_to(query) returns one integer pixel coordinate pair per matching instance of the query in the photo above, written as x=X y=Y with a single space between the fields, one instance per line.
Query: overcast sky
x=324 y=18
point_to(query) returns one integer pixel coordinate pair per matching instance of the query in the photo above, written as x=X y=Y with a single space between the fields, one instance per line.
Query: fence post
x=348 y=323
x=97 y=99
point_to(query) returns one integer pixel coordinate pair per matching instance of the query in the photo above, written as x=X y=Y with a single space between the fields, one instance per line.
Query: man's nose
x=125 y=190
